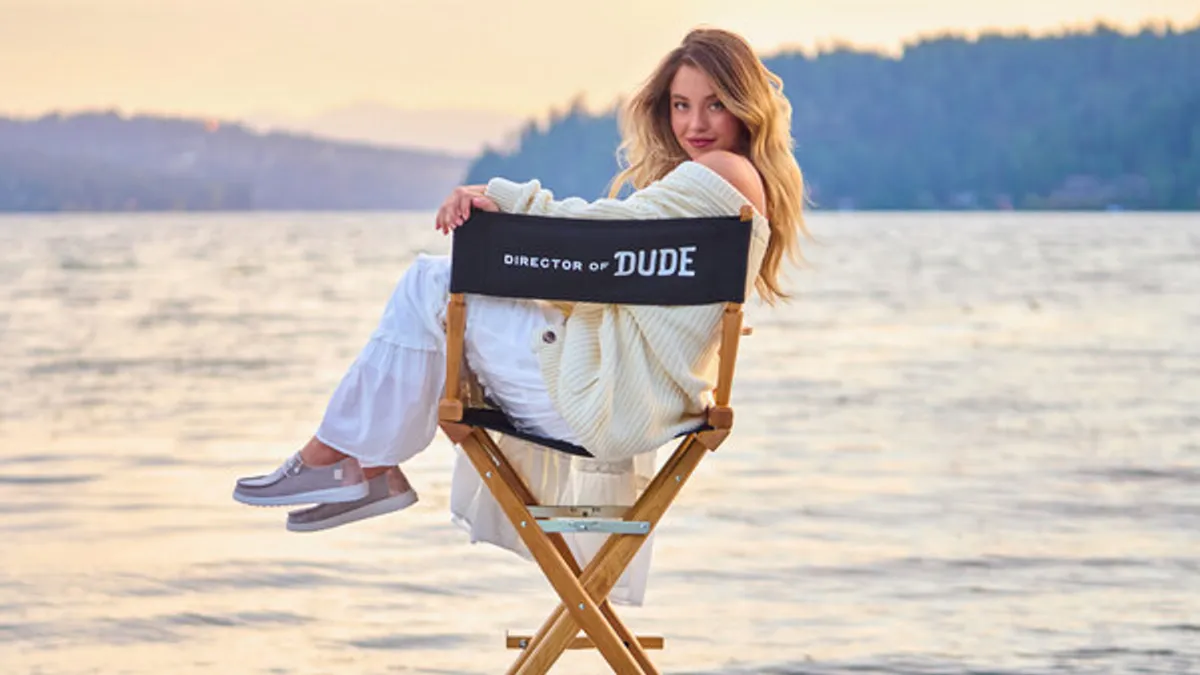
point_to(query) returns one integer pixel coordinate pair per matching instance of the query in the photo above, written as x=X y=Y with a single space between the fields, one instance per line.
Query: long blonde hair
x=754 y=95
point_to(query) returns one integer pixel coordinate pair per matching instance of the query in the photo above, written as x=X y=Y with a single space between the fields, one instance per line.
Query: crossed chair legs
x=583 y=592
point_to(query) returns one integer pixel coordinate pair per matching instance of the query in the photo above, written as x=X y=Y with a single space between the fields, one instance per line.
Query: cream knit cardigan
x=627 y=378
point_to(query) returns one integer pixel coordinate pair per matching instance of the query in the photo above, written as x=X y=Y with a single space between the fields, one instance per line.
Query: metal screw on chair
x=523 y=644
x=522 y=523
x=581 y=605
x=678 y=479
x=489 y=475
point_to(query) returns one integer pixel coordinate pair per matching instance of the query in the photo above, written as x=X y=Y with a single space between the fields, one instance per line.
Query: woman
x=708 y=133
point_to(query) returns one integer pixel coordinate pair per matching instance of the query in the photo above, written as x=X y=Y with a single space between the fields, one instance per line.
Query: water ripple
x=176 y=365
x=1177 y=474
x=47 y=480
x=408 y=642
x=125 y=631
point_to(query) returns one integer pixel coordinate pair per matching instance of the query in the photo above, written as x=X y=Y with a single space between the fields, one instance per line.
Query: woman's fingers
x=439 y=221
x=447 y=213
x=484 y=204
x=464 y=205
x=457 y=207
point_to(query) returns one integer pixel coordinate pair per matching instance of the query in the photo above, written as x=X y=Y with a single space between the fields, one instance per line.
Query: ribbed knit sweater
x=629 y=378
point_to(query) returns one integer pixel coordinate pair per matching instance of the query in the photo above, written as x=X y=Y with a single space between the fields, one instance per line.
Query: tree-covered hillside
x=1085 y=120
x=104 y=162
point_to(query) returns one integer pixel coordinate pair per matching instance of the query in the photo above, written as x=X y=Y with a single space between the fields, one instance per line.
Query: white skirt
x=384 y=412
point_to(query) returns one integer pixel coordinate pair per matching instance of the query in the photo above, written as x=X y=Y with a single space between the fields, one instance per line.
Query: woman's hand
x=457 y=207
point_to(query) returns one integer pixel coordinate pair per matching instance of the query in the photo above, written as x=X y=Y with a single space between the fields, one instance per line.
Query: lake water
x=970 y=445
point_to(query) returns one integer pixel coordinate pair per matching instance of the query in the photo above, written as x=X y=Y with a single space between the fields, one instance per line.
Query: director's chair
x=692 y=261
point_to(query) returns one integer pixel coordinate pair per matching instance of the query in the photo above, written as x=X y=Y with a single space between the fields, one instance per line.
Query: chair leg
x=614 y=555
x=513 y=480
x=580 y=605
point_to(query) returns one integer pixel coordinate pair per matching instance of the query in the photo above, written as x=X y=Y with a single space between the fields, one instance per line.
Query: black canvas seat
x=495 y=419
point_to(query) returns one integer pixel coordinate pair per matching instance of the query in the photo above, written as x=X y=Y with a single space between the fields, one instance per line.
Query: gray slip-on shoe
x=297 y=483
x=386 y=493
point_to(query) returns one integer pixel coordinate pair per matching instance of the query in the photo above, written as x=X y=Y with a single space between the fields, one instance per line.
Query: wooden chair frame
x=584 y=592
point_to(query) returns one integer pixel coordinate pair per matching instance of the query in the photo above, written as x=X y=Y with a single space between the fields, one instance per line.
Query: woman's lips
x=700 y=142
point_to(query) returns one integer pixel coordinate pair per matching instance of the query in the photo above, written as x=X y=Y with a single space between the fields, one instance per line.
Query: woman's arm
x=717 y=184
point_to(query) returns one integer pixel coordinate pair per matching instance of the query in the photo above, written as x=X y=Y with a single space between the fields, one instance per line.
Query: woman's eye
x=680 y=105
x=717 y=105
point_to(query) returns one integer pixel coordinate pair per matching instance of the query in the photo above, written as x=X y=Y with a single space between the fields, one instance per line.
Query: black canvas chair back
x=691 y=261
x=694 y=261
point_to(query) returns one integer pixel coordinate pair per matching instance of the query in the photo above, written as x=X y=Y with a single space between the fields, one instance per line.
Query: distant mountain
x=464 y=132
x=104 y=161
x=1080 y=121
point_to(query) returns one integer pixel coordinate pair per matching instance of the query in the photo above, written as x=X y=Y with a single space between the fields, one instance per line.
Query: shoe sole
x=379 y=508
x=346 y=493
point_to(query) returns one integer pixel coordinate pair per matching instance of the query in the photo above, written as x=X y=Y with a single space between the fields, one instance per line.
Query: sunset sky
x=233 y=58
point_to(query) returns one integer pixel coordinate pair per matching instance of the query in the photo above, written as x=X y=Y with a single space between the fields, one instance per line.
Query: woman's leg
x=317 y=453
x=383 y=412
x=499 y=339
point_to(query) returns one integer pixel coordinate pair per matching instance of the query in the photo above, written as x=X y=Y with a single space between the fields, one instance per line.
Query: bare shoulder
x=739 y=172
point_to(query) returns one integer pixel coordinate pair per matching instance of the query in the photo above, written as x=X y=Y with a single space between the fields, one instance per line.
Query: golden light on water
x=927 y=467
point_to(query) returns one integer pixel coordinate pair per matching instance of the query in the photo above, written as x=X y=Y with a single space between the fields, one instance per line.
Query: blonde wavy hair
x=649 y=150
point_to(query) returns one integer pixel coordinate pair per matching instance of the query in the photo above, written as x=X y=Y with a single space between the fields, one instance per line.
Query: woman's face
x=699 y=119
